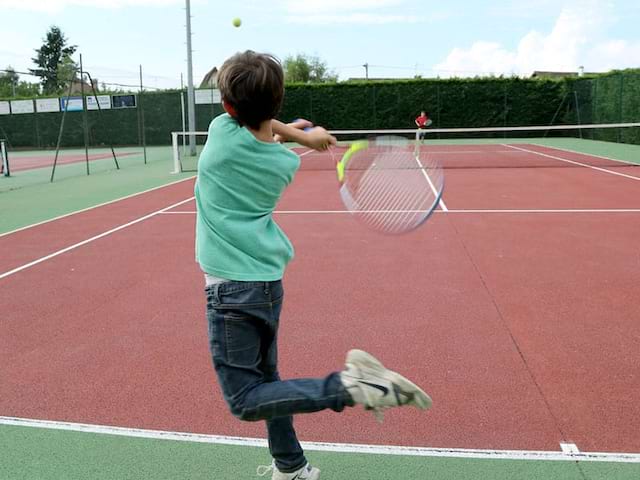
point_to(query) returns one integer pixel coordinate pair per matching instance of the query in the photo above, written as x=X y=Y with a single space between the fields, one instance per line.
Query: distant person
x=422 y=122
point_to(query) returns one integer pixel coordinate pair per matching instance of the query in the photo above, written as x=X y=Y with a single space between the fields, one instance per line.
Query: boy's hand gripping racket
x=387 y=184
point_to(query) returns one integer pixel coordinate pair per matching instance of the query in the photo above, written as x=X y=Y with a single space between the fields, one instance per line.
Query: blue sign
x=73 y=104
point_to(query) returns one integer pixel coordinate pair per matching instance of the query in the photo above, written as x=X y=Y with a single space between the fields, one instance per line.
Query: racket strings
x=390 y=189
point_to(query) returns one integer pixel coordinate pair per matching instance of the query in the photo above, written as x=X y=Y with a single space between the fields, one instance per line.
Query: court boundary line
x=441 y=204
x=89 y=240
x=568 y=150
x=508 y=210
x=600 y=169
x=565 y=454
x=26 y=227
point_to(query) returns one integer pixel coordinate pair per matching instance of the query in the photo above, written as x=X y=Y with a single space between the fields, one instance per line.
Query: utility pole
x=366 y=71
x=191 y=102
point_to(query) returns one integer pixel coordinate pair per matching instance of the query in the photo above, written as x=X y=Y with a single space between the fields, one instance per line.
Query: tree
x=11 y=86
x=66 y=70
x=54 y=61
x=307 y=69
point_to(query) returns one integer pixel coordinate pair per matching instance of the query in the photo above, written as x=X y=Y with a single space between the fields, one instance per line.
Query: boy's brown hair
x=253 y=85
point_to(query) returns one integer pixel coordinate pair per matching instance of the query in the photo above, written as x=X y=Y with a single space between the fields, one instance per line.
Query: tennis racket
x=388 y=184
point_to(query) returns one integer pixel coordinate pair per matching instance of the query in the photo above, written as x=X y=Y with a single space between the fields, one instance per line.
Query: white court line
x=464 y=152
x=329 y=447
x=575 y=163
x=95 y=206
x=552 y=210
x=556 y=210
x=443 y=206
x=625 y=162
x=89 y=240
x=570 y=448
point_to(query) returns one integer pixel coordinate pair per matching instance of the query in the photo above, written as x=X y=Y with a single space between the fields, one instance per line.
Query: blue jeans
x=243 y=328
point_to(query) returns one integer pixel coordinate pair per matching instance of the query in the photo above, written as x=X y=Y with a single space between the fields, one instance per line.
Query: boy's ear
x=229 y=109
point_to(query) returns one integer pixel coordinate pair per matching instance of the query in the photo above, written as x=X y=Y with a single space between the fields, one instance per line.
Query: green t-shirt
x=240 y=181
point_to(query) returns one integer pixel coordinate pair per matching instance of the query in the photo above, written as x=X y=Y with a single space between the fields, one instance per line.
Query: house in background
x=210 y=80
x=77 y=86
x=545 y=74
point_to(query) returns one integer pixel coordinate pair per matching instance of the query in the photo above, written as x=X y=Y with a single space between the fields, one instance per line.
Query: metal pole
x=557 y=112
x=621 y=97
x=191 y=102
x=575 y=96
x=438 y=107
x=184 y=126
x=64 y=114
x=85 y=120
x=504 y=112
x=144 y=138
x=95 y=95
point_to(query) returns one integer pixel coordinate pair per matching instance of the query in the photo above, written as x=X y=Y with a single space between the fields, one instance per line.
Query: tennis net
x=597 y=145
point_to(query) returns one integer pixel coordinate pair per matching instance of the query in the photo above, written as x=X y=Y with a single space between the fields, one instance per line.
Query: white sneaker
x=369 y=383
x=305 y=473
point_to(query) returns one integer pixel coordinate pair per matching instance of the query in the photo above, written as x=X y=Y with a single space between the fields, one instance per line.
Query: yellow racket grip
x=342 y=164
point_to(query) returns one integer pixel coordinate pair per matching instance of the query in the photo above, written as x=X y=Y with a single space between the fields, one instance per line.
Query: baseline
x=565 y=454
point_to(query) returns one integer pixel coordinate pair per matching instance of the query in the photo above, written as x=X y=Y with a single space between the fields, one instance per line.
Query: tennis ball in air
x=237 y=22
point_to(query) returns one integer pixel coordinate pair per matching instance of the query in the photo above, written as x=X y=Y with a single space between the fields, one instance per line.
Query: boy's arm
x=317 y=138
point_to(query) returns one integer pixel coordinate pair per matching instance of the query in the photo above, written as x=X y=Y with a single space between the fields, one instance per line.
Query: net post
x=176 y=153
x=4 y=157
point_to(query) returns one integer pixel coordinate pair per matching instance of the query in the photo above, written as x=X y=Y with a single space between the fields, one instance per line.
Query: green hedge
x=451 y=103
x=615 y=98
x=481 y=102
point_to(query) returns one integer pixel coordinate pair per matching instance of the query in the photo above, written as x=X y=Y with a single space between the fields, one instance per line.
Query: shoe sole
x=370 y=364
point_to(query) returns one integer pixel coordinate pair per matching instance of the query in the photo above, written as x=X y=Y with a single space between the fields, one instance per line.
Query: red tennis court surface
x=516 y=309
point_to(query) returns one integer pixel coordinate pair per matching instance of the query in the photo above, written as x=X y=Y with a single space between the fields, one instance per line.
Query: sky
x=396 y=38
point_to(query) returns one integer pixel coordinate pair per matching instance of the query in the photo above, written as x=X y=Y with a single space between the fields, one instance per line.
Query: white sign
x=44 y=105
x=4 y=108
x=22 y=106
x=103 y=100
x=208 y=95
x=74 y=104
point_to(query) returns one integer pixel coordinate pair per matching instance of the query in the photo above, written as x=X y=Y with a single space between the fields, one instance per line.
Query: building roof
x=548 y=74
x=210 y=80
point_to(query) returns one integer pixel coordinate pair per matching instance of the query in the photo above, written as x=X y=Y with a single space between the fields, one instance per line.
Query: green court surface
x=616 y=151
x=28 y=197
x=34 y=453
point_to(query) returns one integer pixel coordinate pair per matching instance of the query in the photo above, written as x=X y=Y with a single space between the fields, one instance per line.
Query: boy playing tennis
x=242 y=173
